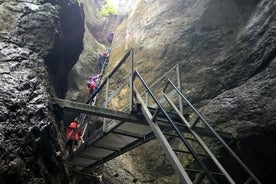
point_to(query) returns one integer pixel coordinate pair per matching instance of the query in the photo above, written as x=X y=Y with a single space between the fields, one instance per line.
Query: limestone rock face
x=226 y=50
x=32 y=39
x=95 y=43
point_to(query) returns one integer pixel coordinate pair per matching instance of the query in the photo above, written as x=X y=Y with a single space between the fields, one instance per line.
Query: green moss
x=108 y=9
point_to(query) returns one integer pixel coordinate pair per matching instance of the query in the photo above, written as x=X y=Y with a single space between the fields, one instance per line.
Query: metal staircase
x=149 y=116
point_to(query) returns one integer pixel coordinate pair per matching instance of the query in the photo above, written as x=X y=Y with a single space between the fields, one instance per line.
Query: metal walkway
x=159 y=115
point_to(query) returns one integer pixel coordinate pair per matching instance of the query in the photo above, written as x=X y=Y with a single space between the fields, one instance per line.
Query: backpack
x=92 y=85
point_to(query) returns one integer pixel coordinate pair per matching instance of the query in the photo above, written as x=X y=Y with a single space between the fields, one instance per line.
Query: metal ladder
x=201 y=173
x=192 y=128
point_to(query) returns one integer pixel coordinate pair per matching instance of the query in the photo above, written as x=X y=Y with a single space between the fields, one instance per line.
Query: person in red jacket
x=92 y=85
x=73 y=135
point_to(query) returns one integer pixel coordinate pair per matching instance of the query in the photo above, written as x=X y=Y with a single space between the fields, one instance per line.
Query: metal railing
x=200 y=117
x=179 y=133
x=129 y=80
x=175 y=69
x=106 y=80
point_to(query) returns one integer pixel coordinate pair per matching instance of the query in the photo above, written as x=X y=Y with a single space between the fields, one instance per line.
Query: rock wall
x=226 y=50
x=97 y=28
x=36 y=46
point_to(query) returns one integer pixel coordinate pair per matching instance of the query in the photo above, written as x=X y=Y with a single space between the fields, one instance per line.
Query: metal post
x=180 y=171
x=106 y=103
x=179 y=86
x=147 y=98
x=131 y=81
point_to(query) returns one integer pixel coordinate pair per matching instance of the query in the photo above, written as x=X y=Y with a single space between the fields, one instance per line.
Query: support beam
x=183 y=176
x=97 y=111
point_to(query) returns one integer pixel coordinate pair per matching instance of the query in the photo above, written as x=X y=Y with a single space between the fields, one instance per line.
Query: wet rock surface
x=226 y=50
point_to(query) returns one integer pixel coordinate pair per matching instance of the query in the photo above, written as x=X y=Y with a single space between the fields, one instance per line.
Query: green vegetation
x=108 y=9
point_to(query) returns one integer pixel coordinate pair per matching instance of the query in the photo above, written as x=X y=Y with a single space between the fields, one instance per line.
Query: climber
x=92 y=85
x=103 y=61
x=110 y=37
x=73 y=135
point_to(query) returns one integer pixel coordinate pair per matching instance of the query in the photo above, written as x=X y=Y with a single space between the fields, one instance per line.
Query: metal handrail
x=111 y=74
x=107 y=80
x=160 y=78
x=176 y=68
x=183 y=139
x=200 y=140
x=213 y=131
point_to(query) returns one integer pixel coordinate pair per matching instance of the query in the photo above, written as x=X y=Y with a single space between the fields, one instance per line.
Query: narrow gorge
x=225 y=51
